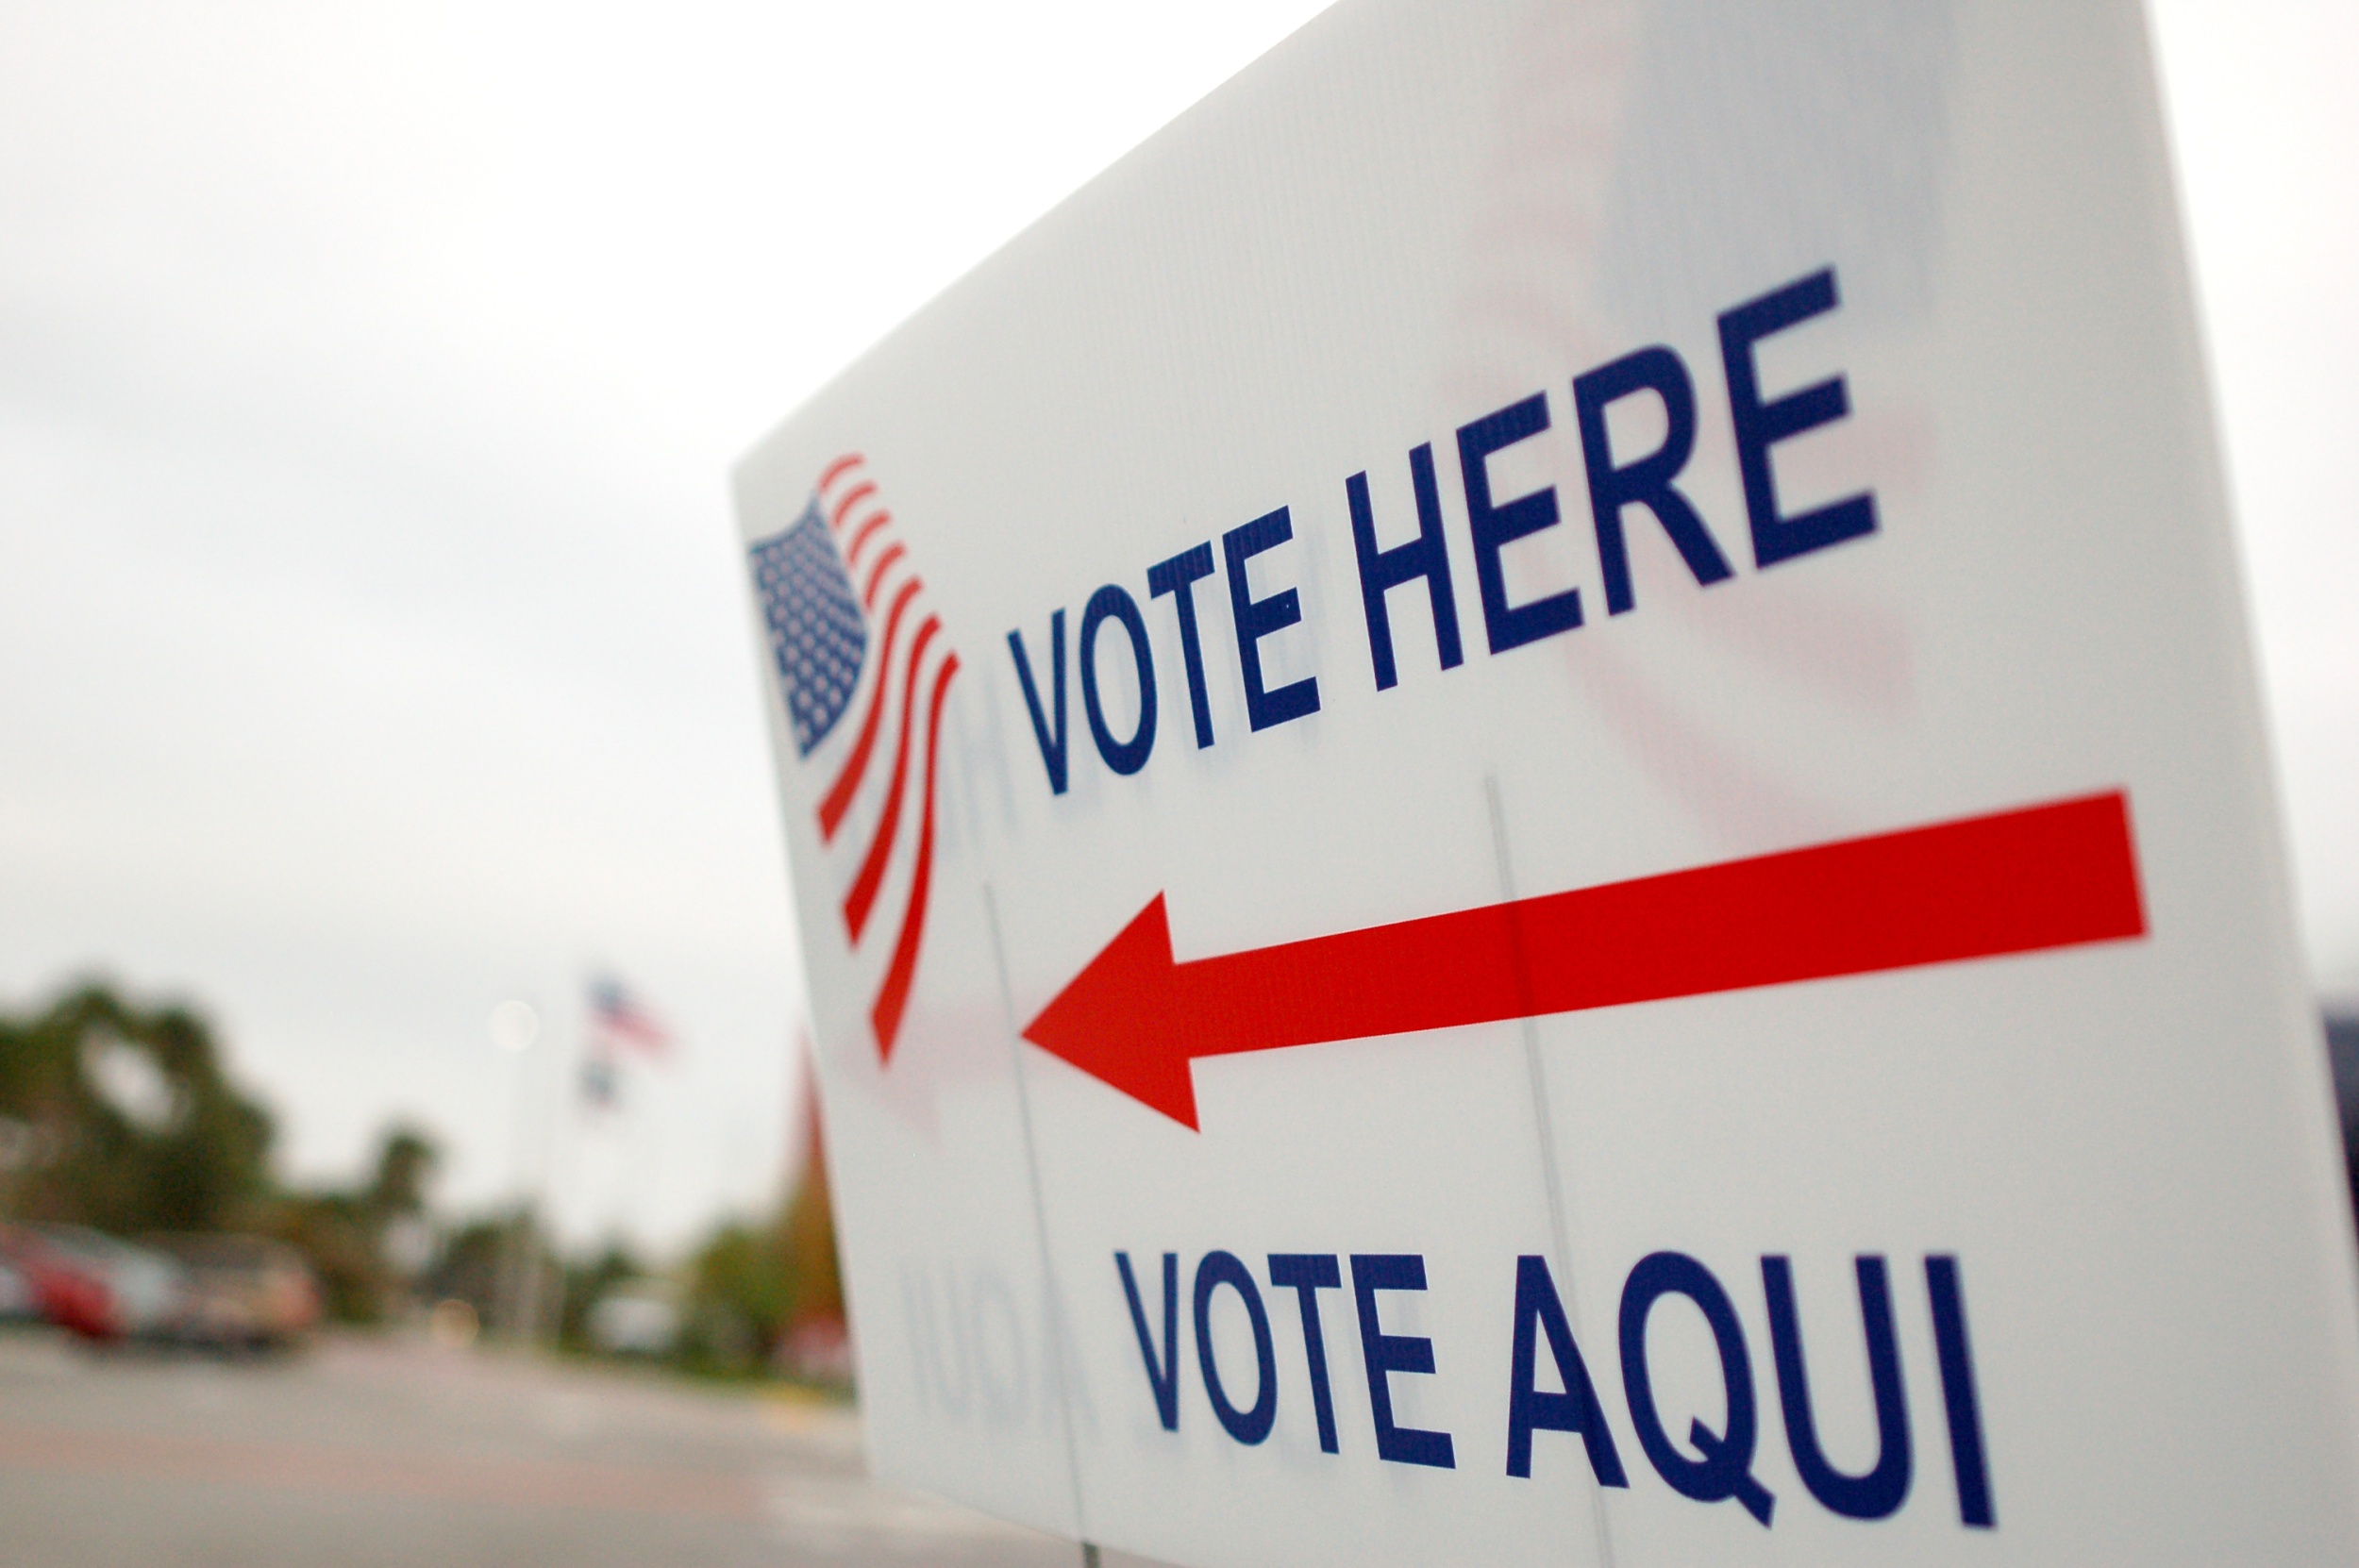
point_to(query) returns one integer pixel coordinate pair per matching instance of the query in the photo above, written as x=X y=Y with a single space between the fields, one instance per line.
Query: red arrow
x=2019 y=881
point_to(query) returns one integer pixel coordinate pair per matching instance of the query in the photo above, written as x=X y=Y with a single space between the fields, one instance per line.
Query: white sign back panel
x=1530 y=821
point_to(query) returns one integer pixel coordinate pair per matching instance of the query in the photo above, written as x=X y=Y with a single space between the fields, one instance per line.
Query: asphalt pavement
x=388 y=1453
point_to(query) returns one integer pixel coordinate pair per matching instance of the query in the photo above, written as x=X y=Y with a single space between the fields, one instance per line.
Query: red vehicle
x=95 y=1286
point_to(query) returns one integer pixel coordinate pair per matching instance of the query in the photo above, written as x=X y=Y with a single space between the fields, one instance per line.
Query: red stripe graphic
x=2019 y=881
x=864 y=529
x=839 y=798
x=835 y=469
x=885 y=1017
x=851 y=499
x=861 y=535
x=864 y=895
x=884 y=564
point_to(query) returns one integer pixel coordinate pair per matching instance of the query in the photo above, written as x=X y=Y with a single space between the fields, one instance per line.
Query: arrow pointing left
x=2056 y=875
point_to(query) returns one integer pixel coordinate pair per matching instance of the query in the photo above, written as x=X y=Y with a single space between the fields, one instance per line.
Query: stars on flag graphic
x=854 y=641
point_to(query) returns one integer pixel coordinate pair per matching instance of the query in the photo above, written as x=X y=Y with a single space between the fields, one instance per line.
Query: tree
x=125 y=1119
x=737 y=1301
x=755 y=1289
x=585 y=1284
x=405 y=1161
x=344 y=1234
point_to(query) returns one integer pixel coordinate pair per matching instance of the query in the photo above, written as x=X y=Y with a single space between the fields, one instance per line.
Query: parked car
x=17 y=1302
x=240 y=1293
x=53 y=1291
x=97 y=1287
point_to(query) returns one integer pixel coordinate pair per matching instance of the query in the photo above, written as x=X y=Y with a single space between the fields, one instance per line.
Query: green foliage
x=343 y=1234
x=335 y=1239
x=405 y=1161
x=120 y=1117
x=194 y=1159
x=469 y=1267
x=752 y=1286
x=584 y=1284
x=738 y=1297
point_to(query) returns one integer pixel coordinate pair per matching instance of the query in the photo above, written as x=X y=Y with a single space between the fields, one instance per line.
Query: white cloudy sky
x=371 y=641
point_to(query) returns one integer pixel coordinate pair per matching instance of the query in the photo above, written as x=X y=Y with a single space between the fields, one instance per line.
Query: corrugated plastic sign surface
x=1530 y=825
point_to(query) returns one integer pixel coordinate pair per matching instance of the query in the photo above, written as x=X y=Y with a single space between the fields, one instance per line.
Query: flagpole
x=545 y=1097
x=514 y=1027
x=564 y=1119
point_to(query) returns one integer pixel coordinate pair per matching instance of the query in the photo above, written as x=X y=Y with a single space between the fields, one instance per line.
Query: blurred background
x=389 y=877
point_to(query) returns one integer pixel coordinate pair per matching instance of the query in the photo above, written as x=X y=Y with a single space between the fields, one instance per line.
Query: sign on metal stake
x=1530 y=825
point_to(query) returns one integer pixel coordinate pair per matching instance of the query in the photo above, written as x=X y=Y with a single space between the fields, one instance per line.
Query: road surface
x=389 y=1452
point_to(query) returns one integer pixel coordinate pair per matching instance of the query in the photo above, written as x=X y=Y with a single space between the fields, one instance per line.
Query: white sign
x=1531 y=826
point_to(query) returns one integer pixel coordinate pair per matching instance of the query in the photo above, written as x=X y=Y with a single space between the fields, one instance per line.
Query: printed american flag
x=825 y=583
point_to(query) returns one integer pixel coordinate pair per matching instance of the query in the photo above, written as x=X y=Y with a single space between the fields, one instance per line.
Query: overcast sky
x=372 y=640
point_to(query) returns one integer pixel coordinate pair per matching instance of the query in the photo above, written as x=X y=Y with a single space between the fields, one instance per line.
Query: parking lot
x=395 y=1452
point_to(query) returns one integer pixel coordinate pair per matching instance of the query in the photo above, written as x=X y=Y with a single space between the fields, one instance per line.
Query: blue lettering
x=1387 y=1353
x=1052 y=743
x=1616 y=483
x=1306 y=1274
x=1538 y=1309
x=1725 y=1469
x=1111 y=603
x=1761 y=426
x=1258 y=618
x=1495 y=526
x=1425 y=555
x=1248 y=1427
x=1646 y=482
x=1177 y=577
x=1163 y=1372
x=1957 y=1393
x=1880 y=1491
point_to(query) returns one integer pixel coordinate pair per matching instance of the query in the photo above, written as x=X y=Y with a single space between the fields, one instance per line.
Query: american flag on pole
x=618 y=1019
x=854 y=639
